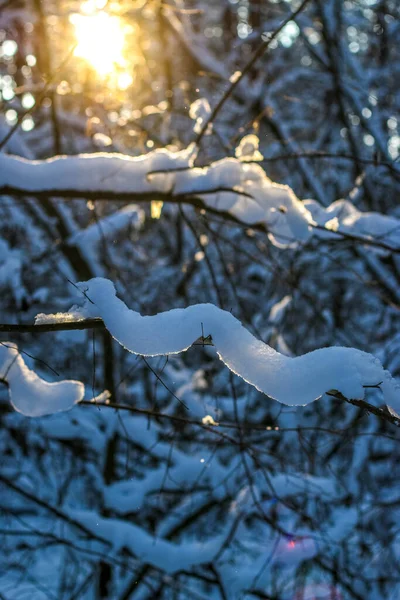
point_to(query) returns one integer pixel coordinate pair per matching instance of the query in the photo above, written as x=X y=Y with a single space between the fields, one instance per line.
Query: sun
x=100 y=41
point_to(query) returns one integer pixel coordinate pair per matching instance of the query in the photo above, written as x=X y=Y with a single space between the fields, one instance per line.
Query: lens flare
x=100 y=41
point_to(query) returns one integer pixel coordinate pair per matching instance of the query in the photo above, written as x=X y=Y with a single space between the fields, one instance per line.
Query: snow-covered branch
x=233 y=187
x=291 y=381
x=31 y=395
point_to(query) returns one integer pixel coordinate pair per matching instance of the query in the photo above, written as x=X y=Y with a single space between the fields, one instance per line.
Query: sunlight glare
x=100 y=41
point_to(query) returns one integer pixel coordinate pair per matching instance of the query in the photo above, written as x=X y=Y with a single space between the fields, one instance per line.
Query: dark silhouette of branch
x=48 y=327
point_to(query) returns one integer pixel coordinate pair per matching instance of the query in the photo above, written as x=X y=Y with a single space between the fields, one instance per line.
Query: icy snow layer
x=31 y=395
x=254 y=199
x=292 y=381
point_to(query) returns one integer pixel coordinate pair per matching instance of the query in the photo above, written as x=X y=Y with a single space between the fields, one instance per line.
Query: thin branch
x=312 y=154
x=156 y=375
x=386 y=416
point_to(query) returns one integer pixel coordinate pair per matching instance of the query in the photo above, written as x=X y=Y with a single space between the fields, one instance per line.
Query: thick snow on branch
x=231 y=185
x=117 y=173
x=31 y=395
x=292 y=381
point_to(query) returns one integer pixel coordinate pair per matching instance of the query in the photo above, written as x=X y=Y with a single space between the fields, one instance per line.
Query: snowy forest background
x=175 y=478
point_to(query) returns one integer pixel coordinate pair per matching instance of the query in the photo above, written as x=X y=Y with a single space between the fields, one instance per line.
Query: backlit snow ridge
x=288 y=220
x=31 y=395
x=292 y=381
